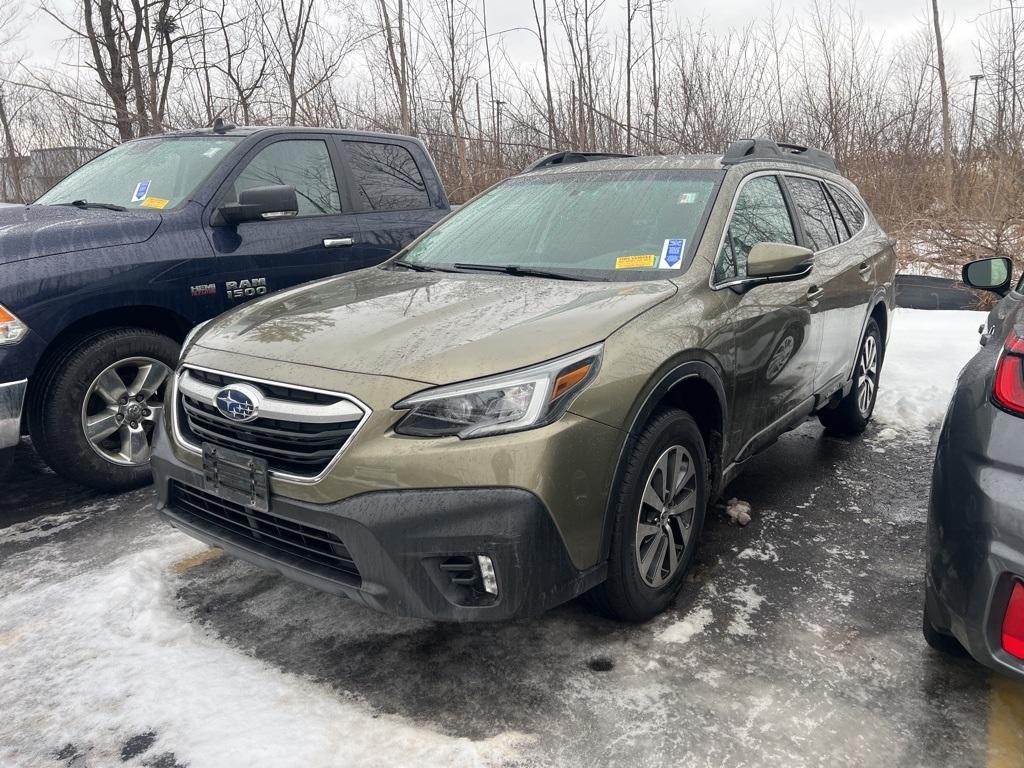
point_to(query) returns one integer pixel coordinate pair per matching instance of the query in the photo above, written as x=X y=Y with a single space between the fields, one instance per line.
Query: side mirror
x=261 y=204
x=989 y=274
x=778 y=262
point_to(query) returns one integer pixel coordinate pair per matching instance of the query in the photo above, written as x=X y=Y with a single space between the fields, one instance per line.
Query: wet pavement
x=796 y=641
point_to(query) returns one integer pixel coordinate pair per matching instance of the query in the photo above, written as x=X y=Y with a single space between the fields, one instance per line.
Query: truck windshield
x=601 y=225
x=156 y=173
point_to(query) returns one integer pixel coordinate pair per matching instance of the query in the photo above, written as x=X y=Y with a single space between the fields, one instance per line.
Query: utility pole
x=498 y=104
x=974 y=114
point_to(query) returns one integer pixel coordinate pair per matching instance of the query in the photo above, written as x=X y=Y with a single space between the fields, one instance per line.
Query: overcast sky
x=892 y=19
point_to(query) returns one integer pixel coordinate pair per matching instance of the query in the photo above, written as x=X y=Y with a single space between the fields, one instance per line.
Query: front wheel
x=852 y=414
x=659 y=514
x=92 y=419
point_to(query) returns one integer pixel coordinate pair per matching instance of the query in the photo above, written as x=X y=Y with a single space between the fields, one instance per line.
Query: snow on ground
x=127 y=662
x=927 y=349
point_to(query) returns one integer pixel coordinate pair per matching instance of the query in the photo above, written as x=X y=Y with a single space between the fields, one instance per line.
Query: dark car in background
x=102 y=277
x=974 y=595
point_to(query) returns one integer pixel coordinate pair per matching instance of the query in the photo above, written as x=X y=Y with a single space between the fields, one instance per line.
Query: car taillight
x=1009 y=384
x=1013 y=623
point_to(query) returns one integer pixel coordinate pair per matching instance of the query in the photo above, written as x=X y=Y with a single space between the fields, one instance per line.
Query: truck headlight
x=510 y=402
x=12 y=330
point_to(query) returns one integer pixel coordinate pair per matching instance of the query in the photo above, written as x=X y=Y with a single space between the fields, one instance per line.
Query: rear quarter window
x=851 y=210
x=815 y=212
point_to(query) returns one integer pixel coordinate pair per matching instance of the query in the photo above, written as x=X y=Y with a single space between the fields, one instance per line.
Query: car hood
x=435 y=328
x=31 y=231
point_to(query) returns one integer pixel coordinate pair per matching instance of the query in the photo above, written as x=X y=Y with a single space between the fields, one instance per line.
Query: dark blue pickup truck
x=102 y=278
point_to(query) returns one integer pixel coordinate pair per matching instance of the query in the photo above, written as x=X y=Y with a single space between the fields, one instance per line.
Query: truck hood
x=435 y=328
x=31 y=231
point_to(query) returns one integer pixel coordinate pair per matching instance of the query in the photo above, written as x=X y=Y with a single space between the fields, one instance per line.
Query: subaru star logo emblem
x=239 y=402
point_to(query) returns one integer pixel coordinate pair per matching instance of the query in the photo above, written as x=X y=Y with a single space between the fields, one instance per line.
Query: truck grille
x=294 y=543
x=302 y=434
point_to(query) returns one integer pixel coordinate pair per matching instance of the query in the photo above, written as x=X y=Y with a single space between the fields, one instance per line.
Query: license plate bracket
x=236 y=476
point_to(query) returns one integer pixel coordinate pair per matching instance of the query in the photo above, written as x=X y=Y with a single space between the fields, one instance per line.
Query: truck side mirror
x=989 y=274
x=261 y=204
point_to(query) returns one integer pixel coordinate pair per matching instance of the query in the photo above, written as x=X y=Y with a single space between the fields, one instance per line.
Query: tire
x=671 y=440
x=851 y=416
x=98 y=381
x=940 y=641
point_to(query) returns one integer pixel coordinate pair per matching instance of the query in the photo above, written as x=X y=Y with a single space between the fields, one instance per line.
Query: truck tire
x=851 y=416
x=659 y=514
x=93 y=415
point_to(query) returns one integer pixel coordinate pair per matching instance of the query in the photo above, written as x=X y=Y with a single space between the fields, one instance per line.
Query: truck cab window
x=304 y=164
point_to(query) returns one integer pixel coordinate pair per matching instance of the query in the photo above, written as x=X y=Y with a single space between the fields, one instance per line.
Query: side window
x=815 y=213
x=386 y=176
x=760 y=216
x=851 y=210
x=304 y=164
x=841 y=229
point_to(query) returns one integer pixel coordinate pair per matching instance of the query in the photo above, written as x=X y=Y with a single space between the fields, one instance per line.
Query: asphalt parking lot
x=796 y=642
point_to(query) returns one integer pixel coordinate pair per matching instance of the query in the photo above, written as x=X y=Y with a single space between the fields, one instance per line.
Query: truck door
x=324 y=239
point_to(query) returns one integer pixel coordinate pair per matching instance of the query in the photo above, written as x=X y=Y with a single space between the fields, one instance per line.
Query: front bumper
x=12 y=399
x=399 y=541
x=976 y=528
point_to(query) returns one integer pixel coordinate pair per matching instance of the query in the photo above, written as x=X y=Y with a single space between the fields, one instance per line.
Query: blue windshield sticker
x=672 y=254
x=141 y=191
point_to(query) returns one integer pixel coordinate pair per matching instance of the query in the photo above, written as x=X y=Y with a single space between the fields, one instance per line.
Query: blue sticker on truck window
x=141 y=191
x=672 y=254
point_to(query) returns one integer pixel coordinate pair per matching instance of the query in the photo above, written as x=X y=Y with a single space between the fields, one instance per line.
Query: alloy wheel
x=121 y=408
x=665 y=521
x=867 y=382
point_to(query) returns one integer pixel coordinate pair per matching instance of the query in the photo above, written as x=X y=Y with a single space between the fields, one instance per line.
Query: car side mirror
x=989 y=274
x=261 y=204
x=778 y=262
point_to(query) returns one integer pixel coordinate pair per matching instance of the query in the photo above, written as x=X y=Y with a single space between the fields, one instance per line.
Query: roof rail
x=753 y=150
x=569 y=157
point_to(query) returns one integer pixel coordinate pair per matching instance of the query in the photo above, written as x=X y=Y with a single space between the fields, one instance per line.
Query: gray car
x=975 y=581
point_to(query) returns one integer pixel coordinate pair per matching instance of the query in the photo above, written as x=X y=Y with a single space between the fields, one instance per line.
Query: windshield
x=152 y=173
x=603 y=225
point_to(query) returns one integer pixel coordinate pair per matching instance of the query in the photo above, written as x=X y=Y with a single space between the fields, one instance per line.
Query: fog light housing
x=1013 y=623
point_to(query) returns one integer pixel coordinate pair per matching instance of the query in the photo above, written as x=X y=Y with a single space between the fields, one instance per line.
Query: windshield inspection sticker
x=639 y=261
x=141 y=189
x=688 y=198
x=155 y=202
x=672 y=254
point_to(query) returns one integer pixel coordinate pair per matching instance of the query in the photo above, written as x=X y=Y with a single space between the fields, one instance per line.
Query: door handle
x=338 y=242
x=865 y=270
x=814 y=293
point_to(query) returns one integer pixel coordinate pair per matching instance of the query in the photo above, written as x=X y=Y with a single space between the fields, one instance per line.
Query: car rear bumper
x=976 y=529
x=12 y=399
x=394 y=551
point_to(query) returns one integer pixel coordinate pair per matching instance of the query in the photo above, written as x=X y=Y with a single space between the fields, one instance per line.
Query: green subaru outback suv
x=542 y=395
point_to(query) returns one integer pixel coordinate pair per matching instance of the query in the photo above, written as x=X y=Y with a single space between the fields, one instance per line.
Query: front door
x=324 y=239
x=776 y=327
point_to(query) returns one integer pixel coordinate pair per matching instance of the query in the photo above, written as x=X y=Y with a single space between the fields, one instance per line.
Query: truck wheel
x=92 y=419
x=852 y=414
x=659 y=514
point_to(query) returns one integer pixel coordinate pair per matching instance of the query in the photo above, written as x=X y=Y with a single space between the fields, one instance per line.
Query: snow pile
x=747 y=602
x=927 y=349
x=691 y=625
x=94 y=659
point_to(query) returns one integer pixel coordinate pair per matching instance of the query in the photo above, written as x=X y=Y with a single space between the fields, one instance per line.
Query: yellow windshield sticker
x=155 y=202
x=638 y=261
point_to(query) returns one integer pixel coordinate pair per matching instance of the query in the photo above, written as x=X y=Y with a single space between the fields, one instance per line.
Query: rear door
x=843 y=273
x=776 y=329
x=393 y=201
x=322 y=240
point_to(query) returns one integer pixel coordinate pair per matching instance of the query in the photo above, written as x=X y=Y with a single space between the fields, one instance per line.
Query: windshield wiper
x=512 y=269
x=83 y=204
x=418 y=267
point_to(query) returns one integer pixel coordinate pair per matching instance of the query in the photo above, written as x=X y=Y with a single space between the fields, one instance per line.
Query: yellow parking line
x=191 y=562
x=1006 y=724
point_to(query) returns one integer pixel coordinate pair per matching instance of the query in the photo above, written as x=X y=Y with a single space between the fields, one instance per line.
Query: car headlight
x=190 y=338
x=12 y=330
x=510 y=402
